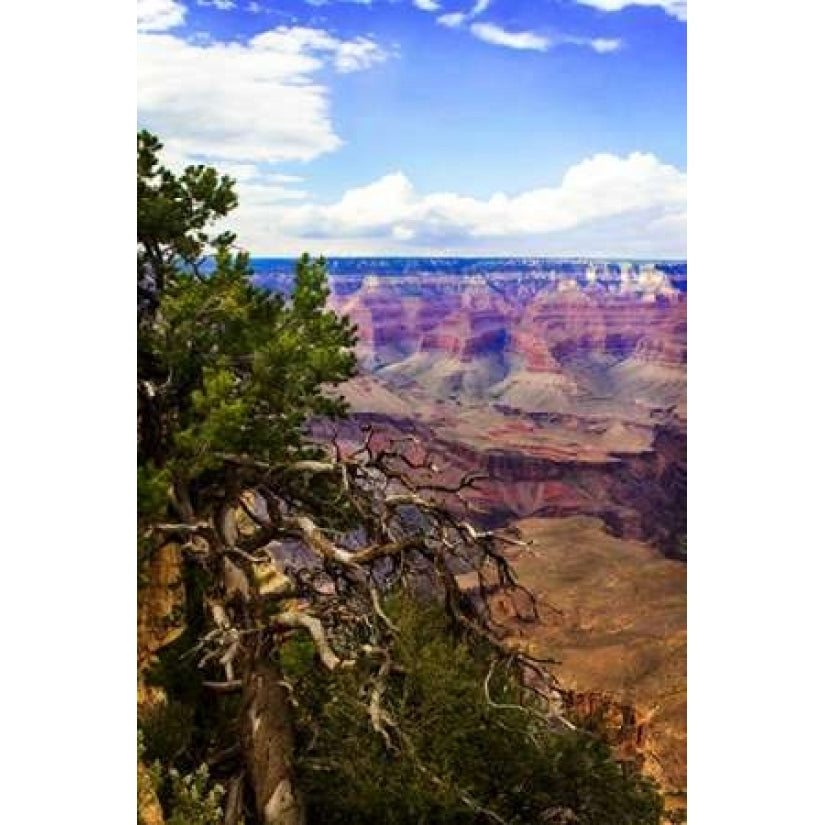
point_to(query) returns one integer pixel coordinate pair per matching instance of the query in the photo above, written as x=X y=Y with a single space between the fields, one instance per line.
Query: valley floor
x=613 y=612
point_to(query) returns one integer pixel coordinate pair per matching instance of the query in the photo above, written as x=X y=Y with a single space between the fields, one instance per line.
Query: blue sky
x=430 y=126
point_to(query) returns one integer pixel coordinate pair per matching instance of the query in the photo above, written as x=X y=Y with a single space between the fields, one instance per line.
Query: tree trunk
x=268 y=746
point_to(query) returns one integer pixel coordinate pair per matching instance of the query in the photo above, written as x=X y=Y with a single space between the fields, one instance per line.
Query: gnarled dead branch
x=326 y=577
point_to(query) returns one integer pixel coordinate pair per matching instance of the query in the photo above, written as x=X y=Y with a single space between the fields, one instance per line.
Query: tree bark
x=234 y=801
x=269 y=745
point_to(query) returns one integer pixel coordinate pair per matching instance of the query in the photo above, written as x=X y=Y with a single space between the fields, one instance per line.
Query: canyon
x=564 y=383
x=567 y=390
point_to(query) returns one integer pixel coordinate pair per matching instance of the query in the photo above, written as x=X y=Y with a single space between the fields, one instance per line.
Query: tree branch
x=316 y=631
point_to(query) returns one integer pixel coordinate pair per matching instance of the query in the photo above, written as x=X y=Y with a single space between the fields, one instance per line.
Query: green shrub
x=194 y=800
x=167 y=730
x=458 y=747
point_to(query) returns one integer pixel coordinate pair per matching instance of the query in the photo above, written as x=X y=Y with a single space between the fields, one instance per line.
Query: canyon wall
x=568 y=389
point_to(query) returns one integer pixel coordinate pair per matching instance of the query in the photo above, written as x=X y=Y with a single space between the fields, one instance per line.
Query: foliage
x=149 y=779
x=174 y=212
x=167 y=730
x=153 y=491
x=506 y=760
x=223 y=365
x=194 y=800
x=188 y=798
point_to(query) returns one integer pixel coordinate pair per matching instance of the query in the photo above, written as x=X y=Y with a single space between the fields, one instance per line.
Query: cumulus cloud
x=258 y=101
x=675 y=8
x=620 y=205
x=357 y=54
x=243 y=106
x=426 y=5
x=159 y=15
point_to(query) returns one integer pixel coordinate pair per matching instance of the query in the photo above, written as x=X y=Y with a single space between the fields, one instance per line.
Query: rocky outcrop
x=631 y=730
x=638 y=495
x=148 y=807
x=654 y=484
x=161 y=598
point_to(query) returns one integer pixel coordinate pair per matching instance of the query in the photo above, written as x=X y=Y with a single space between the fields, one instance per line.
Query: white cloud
x=426 y=5
x=457 y=18
x=533 y=41
x=245 y=102
x=243 y=173
x=264 y=194
x=159 y=15
x=525 y=40
x=605 y=204
x=243 y=106
x=453 y=20
x=604 y=44
x=675 y=8
x=357 y=54
x=316 y=44
x=491 y=33
x=221 y=5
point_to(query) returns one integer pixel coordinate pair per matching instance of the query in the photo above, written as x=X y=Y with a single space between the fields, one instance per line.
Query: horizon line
x=662 y=259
